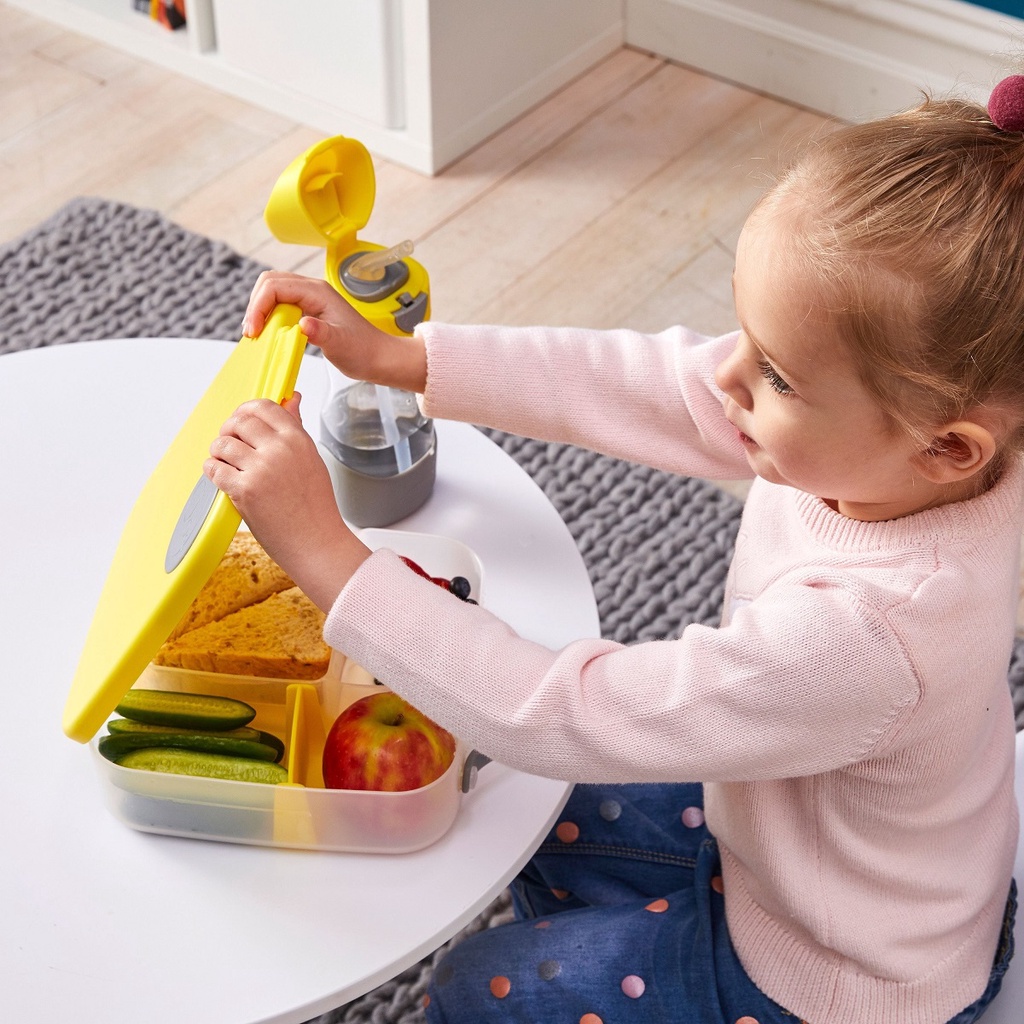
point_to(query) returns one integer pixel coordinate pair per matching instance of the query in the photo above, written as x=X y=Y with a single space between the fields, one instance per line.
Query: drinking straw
x=385 y=402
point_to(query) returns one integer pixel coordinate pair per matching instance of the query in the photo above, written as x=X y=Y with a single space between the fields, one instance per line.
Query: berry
x=418 y=569
x=457 y=585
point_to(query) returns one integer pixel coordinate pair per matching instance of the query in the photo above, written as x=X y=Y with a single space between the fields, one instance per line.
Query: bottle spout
x=370 y=267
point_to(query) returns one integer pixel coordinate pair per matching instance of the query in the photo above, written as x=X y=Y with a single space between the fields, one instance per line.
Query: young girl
x=807 y=813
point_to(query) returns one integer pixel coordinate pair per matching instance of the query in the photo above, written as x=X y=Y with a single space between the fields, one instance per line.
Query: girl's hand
x=271 y=470
x=353 y=344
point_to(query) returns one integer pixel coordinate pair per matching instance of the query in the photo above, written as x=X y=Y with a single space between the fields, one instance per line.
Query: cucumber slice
x=116 y=745
x=272 y=741
x=209 y=766
x=118 y=726
x=185 y=710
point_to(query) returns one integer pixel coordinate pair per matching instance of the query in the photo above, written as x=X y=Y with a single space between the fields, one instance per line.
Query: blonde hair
x=915 y=226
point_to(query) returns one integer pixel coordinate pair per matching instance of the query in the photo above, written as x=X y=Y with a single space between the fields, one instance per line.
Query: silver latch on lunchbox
x=471 y=769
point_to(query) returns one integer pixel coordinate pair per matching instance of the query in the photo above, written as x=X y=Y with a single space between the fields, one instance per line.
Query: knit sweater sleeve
x=764 y=697
x=590 y=388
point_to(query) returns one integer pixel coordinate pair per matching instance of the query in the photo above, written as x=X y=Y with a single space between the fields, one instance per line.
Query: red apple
x=382 y=742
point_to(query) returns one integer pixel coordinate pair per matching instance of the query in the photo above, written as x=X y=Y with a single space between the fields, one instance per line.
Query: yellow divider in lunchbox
x=177 y=532
x=306 y=736
x=294 y=820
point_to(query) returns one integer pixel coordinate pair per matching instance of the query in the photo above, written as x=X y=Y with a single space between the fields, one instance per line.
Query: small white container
x=300 y=814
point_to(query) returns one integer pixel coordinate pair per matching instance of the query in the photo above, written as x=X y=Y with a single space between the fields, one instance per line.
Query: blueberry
x=460 y=587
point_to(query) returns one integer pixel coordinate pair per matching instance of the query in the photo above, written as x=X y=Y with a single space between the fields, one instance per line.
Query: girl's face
x=794 y=396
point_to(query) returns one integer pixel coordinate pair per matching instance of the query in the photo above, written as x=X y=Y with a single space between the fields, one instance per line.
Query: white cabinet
x=348 y=54
x=417 y=81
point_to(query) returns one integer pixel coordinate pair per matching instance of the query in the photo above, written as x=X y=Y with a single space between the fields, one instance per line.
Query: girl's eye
x=774 y=380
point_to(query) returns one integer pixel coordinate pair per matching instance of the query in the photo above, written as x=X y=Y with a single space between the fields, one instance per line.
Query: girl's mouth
x=746 y=439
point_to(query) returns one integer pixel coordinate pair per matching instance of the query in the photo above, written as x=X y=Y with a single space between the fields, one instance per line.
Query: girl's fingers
x=254 y=425
x=263 y=298
x=224 y=477
x=258 y=420
x=261 y=302
x=231 y=451
x=219 y=472
x=273 y=287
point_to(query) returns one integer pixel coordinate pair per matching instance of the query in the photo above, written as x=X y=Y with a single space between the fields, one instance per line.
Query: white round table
x=101 y=923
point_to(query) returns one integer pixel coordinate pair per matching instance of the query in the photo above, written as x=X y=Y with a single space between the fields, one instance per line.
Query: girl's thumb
x=291 y=405
x=316 y=331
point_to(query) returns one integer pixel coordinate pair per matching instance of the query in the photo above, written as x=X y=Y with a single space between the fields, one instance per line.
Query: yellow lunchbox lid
x=325 y=195
x=177 y=532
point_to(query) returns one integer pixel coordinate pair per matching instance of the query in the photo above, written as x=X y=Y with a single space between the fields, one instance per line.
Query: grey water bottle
x=380 y=449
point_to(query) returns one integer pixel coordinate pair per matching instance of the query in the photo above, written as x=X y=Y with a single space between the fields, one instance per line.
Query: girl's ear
x=961 y=449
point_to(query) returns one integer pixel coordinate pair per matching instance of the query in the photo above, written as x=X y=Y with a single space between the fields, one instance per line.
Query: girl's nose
x=729 y=377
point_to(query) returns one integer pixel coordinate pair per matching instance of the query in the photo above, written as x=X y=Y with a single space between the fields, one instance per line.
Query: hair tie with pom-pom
x=1006 y=104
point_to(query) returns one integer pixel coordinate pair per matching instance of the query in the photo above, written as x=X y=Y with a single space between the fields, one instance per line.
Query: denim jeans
x=620 y=920
x=1004 y=953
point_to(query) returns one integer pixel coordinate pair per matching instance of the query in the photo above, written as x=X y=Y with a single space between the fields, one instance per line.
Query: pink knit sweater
x=850 y=719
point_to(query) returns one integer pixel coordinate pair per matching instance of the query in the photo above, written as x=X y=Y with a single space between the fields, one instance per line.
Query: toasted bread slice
x=280 y=638
x=246 y=575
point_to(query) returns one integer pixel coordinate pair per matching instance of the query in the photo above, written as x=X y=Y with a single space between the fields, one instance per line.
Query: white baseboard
x=853 y=59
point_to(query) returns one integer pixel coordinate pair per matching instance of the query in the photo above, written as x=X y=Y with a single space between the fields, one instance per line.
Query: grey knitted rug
x=657 y=547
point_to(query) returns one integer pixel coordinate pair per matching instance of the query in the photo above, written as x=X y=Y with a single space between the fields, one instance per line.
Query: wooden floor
x=615 y=203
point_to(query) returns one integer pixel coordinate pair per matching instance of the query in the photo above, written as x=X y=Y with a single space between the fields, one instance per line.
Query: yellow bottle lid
x=324 y=196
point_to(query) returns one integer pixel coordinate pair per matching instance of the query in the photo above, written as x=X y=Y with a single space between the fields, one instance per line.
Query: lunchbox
x=300 y=814
x=175 y=536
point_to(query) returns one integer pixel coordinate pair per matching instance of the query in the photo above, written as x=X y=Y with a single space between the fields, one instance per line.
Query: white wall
x=493 y=59
x=854 y=59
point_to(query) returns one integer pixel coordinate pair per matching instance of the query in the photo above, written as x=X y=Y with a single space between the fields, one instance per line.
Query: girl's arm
x=647 y=398
x=765 y=697
x=651 y=399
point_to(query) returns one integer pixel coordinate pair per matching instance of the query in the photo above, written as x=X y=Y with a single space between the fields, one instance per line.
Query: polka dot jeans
x=620 y=920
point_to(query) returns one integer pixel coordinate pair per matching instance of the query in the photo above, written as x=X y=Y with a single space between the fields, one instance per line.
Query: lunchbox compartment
x=301 y=813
